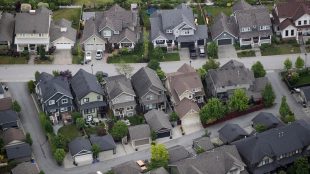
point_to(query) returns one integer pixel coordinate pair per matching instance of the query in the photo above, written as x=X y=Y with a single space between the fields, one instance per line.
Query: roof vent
x=63 y=29
x=32 y=11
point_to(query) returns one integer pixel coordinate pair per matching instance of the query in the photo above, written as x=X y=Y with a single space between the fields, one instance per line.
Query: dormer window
x=264 y=28
x=51 y=102
x=116 y=32
x=168 y=31
x=245 y=29
x=63 y=29
x=107 y=33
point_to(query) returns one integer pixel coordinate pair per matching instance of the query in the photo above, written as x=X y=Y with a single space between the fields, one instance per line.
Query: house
x=19 y=152
x=7 y=22
x=13 y=136
x=224 y=30
x=149 y=89
x=203 y=143
x=177 y=27
x=140 y=135
x=177 y=153
x=254 y=24
x=231 y=132
x=5 y=103
x=105 y=142
x=62 y=35
x=88 y=94
x=25 y=168
x=159 y=123
x=121 y=96
x=129 y=167
x=80 y=150
x=291 y=19
x=185 y=83
x=305 y=94
x=268 y=120
x=116 y=27
x=275 y=148
x=32 y=29
x=8 y=119
x=224 y=159
x=55 y=96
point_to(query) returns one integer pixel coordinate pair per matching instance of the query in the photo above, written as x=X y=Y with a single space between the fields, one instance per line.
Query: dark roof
x=287 y=22
x=7 y=27
x=231 y=132
x=13 y=134
x=83 y=83
x=90 y=29
x=1 y=90
x=104 y=142
x=18 y=151
x=306 y=91
x=139 y=132
x=223 y=23
x=160 y=170
x=274 y=142
x=241 y=5
x=267 y=119
x=94 y=104
x=115 y=85
x=177 y=153
x=130 y=167
x=157 y=120
x=56 y=33
x=292 y=9
x=204 y=143
x=79 y=144
x=184 y=106
x=8 y=116
x=5 y=103
x=25 y=168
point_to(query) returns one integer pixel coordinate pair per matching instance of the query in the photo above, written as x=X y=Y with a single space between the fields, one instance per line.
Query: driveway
x=226 y=51
x=62 y=57
x=184 y=53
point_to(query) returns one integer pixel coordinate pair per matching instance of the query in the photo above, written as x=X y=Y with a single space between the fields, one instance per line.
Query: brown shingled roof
x=5 y=103
x=13 y=134
x=184 y=106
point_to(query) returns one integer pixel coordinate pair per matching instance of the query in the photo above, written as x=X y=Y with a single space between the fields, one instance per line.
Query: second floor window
x=168 y=31
x=86 y=100
x=305 y=22
x=149 y=97
x=98 y=97
x=299 y=22
x=107 y=33
x=64 y=101
x=51 y=102
x=245 y=29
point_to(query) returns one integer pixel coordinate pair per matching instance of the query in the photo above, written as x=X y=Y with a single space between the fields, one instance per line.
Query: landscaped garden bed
x=296 y=79
x=249 y=53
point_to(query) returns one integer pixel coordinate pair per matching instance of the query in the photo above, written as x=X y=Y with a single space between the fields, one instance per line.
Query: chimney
x=32 y=11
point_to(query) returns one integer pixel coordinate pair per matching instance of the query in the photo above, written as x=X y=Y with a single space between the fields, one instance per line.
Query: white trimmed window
x=63 y=109
x=149 y=97
x=51 y=102
x=107 y=33
x=86 y=100
x=64 y=101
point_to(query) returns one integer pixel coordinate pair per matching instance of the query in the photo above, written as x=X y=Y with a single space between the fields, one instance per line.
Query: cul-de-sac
x=154 y=86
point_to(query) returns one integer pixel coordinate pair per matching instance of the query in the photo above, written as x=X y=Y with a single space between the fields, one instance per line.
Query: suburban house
x=159 y=123
x=105 y=142
x=149 y=89
x=55 y=96
x=32 y=29
x=266 y=119
x=291 y=19
x=88 y=94
x=129 y=167
x=62 y=35
x=117 y=27
x=25 y=168
x=224 y=159
x=254 y=24
x=7 y=22
x=233 y=75
x=275 y=148
x=19 y=152
x=177 y=153
x=231 y=132
x=203 y=143
x=140 y=135
x=80 y=150
x=8 y=119
x=305 y=95
x=121 y=96
x=177 y=28
x=13 y=136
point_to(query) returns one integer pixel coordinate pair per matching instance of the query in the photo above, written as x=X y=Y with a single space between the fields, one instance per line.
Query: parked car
x=192 y=53
x=87 y=56
x=202 y=52
x=99 y=54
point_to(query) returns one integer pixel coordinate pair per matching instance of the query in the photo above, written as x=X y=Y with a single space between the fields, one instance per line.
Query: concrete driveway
x=62 y=57
x=184 y=53
x=226 y=51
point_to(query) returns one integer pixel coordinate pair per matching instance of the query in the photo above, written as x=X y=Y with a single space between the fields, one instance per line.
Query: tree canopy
x=239 y=101
x=16 y=107
x=212 y=50
x=302 y=166
x=119 y=130
x=268 y=95
x=258 y=70
x=299 y=63
x=159 y=156
x=59 y=155
x=211 y=64
x=213 y=110
x=287 y=64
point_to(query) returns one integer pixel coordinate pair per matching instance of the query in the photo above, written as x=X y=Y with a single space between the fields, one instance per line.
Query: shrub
x=28 y=139
x=31 y=86
x=153 y=64
x=260 y=128
x=153 y=135
x=200 y=150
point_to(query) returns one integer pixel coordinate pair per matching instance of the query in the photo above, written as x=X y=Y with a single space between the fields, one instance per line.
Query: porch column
x=259 y=41
x=196 y=44
x=179 y=44
x=28 y=47
x=165 y=42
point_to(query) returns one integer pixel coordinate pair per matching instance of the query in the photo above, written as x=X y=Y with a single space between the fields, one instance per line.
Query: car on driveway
x=87 y=56
x=99 y=54
x=202 y=52
x=192 y=53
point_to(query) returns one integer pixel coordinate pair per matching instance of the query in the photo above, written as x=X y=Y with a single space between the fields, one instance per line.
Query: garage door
x=63 y=46
x=83 y=159
x=142 y=142
x=191 y=119
x=224 y=42
x=163 y=134
x=187 y=44
x=94 y=47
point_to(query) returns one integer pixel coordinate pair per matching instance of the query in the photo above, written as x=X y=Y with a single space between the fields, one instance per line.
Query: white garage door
x=191 y=123
x=94 y=47
x=63 y=46
x=84 y=159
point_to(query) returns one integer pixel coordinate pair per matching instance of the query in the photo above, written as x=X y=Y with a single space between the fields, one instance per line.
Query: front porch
x=255 y=41
x=31 y=47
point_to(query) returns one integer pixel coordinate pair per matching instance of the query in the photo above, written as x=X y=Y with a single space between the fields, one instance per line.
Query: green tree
x=211 y=64
x=153 y=135
x=260 y=128
x=146 y=43
x=59 y=155
x=173 y=117
x=159 y=156
x=268 y=95
x=157 y=53
x=161 y=74
x=200 y=150
x=16 y=107
x=56 y=73
x=60 y=141
x=284 y=109
x=28 y=138
x=299 y=63
x=119 y=130
x=212 y=50
x=212 y=111
x=31 y=86
x=41 y=172
x=239 y=101
x=258 y=70
x=80 y=123
x=96 y=150
x=75 y=116
x=287 y=64
x=302 y=166
x=153 y=64
x=202 y=73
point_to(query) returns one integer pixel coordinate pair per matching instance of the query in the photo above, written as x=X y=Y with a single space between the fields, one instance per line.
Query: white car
x=99 y=54
x=87 y=56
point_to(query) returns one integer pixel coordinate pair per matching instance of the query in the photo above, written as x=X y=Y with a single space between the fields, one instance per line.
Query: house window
x=130 y=108
x=107 y=33
x=186 y=32
x=168 y=31
x=160 y=41
x=64 y=101
x=86 y=100
x=98 y=97
x=245 y=29
x=149 y=97
x=299 y=22
x=286 y=32
x=40 y=35
x=292 y=32
x=264 y=27
x=116 y=32
x=305 y=22
x=51 y=102
x=63 y=109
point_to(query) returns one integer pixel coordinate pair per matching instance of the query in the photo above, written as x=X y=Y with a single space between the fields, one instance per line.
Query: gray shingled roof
x=79 y=144
x=33 y=23
x=157 y=120
x=18 y=151
x=223 y=23
x=204 y=143
x=130 y=167
x=160 y=170
x=115 y=85
x=83 y=83
x=7 y=27
x=231 y=132
x=125 y=34
x=90 y=29
x=306 y=91
x=144 y=79
x=184 y=106
x=105 y=142
x=139 y=132
x=8 y=116
x=56 y=33
x=200 y=33
x=177 y=153
x=267 y=119
x=241 y=5
x=25 y=168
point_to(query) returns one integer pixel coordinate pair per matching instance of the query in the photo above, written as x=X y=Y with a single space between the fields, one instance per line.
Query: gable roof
x=13 y=134
x=204 y=143
x=105 y=142
x=223 y=23
x=177 y=153
x=231 y=132
x=116 y=85
x=241 y=5
x=91 y=29
x=8 y=116
x=25 y=168
x=18 y=151
x=83 y=83
x=130 y=167
x=7 y=27
x=79 y=144
x=267 y=119
x=157 y=120
x=56 y=33
x=139 y=132
x=184 y=106
x=124 y=34
x=160 y=170
x=5 y=103
x=292 y=9
x=144 y=79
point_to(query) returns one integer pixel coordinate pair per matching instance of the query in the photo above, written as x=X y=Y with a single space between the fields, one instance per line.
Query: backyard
x=92 y=3
x=69 y=131
x=279 y=49
x=13 y=60
x=213 y=11
x=69 y=14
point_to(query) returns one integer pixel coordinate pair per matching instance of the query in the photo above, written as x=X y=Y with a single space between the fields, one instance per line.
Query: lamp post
x=92 y=72
x=190 y=62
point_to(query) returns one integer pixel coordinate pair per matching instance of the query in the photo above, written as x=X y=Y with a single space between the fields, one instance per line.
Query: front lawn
x=13 y=60
x=130 y=58
x=279 y=49
x=171 y=57
x=69 y=131
x=69 y=14
x=250 y=53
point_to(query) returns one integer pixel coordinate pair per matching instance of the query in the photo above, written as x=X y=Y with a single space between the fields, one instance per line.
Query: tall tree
x=287 y=64
x=258 y=70
x=159 y=156
x=16 y=107
x=96 y=150
x=60 y=141
x=80 y=123
x=212 y=111
x=119 y=130
x=284 y=109
x=239 y=101
x=299 y=63
x=211 y=64
x=59 y=155
x=153 y=64
x=212 y=50
x=302 y=166
x=268 y=95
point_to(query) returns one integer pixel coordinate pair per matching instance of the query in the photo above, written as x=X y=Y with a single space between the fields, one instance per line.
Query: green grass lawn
x=91 y=3
x=77 y=59
x=171 y=57
x=132 y=58
x=200 y=17
x=69 y=14
x=13 y=60
x=214 y=11
x=280 y=49
x=250 y=53
x=70 y=131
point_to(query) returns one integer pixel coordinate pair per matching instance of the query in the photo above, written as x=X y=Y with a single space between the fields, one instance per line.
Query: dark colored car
x=192 y=53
